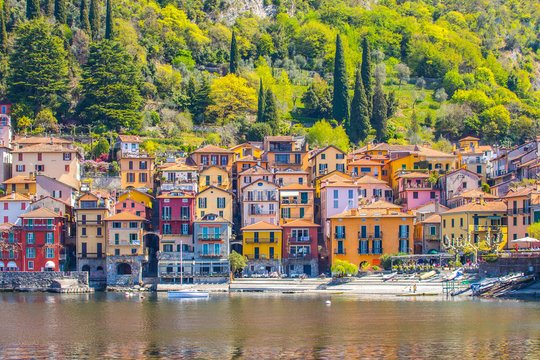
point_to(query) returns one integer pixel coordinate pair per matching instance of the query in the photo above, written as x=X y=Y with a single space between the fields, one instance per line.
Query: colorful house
x=5 y=126
x=519 y=213
x=134 y=207
x=245 y=150
x=283 y=152
x=179 y=176
x=213 y=200
x=211 y=235
x=327 y=160
x=212 y=155
x=139 y=196
x=13 y=206
x=431 y=234
x=5 y=163
x=337 y=196
x=48 y=186
x=21 y=184
x=251 y=175
x=373 y=189
x=363 y=235
x=11 y=251
x=296 y=202
x=414 y=189
x=290 y=176
x=474 y=157
x=41 y=239
x=363 y=167
x=457 y=182
x=136 y=171
x=469 y=196
x=262 y=248
x=214 y=176
x=300 y=248
x=260 y=202
x=126 y=145
x=329 y=178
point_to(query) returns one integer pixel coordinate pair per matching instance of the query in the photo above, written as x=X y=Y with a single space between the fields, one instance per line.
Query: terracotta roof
x=382 y=204
x=410 y=175
x=261 y=225
x=243 y=145
x=441 y=206
x=249 y=158
x=56 y=148
x=476 y=194
x=15 y=197
x=216 y=219
x=368 y=212
x=388 y=147
x=214 y=188
x=476 y=150
x=338 y=183
x=326 y=148
x=488 y=206
x=212 y=149
x=364 y=162
x=334 y=176
x=469 y=138
x=39 y=140
x=124 y=216
x=40 y=213
x=174 y=194
x=425 y=151
x=278 y=138
x=518 y=192
x=130 y=138
x=135 y=190
x=300 y=223
x=20 y=179
x=55 y=199
x=6 y=226
x=433 y=219
x=296 y=187
x=256 y=170
x=368 y=179
x=178 y=167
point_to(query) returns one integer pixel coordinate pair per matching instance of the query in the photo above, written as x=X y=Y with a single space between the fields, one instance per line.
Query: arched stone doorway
x=86 y=268
x=123 y=269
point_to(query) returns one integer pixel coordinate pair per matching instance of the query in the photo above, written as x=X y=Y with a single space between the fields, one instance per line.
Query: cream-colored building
x=260 y=202
x=125 y=233
x=213 y=200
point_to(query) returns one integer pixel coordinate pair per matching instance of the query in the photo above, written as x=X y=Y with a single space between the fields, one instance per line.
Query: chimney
x=13 y=195
x=437 y=206
x=353 y=211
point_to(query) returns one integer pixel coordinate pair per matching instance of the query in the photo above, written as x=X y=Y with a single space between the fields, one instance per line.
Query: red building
x=133 y=207
x=176 y=215
x=40 y=236
x=300 y=252
x=10 y=248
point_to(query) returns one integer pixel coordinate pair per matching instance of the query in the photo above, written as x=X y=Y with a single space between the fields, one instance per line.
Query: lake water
x=240 y=326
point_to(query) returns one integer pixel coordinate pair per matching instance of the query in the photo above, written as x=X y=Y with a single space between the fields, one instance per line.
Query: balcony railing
x=213 y=256
x=259 y=257
x=38 y=227
x=261 y=240
x=430 y=237
x=339 y=235
x=518 y=211
x=377 y=251
x=122 y=243
x=299 y=256
x=300 y=239
x=370 y=236
x=89 y=255
x=217 y=237
x=293 y=202
x=261 y=212
x=487 y=227
x=176 y=218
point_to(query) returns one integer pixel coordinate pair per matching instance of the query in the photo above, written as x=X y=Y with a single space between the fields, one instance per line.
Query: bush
x=375 y=268
x=343 y=268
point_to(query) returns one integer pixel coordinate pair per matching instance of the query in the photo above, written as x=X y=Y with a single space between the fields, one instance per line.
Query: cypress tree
x=260 y=103
x=379 y=115
x=233 y=58
x=93 y=17
x=366 y=73
x=49 y=8
x=3 y=34
x=358 y=126
x=270 y=115
x=32 y=9
x=60 y=11
x=109 y=22
x=191 y=92
x=340 y=103
x=84 y=17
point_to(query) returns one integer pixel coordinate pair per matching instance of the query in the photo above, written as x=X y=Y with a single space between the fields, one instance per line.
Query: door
x=99 y=250
x=307 y=270
x=256 y=254
x=83 y=250
x=271 y=252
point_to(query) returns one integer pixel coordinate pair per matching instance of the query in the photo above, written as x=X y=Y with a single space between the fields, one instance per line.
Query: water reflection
x=112 y=326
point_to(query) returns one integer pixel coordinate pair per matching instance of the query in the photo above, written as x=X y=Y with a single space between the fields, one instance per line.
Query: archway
x=86 y=268
x=123 y=269
x=99 y=268
x=151 y=240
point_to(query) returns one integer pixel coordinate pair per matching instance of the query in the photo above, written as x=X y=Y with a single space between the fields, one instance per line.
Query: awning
x=493 y=217
x=11 y=264
x=49 y=265
x=290 y=193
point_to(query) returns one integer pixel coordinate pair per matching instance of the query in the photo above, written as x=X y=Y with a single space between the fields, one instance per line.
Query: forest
x=343 y=72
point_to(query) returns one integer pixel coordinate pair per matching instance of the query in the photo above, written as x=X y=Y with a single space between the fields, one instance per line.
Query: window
x=323 y=168
x=340 y=167
x=433 y=230
x=49 y=253
x=444 y=223
x=214 y=159
x=130 y=177
x=116 y=252
x=166 y=229
x=83 y=231
x=340 y=156
x=185 y=229
x=515 y=220
x=66 y=168
x=478 y=169
x=67 y=156
x=133 y=238
x=453 y=223
x=323 y=156
x=143 y=177
x=224 y=160
x=300 y=181
x=221 y=203
x=207 y=180
x=272 y=237
x=130 y=165
x=117 y=225
x=166 y=213
x=202 y=203
x=6 y=206
x=336 y=204
x=219 y=181
x=415 y=194
x=116 y=239
x=133 y=225
x=30 y=265
x=143 y=165
x=351 y=194
x=365 y=169
x=98 y=231
x=30 y=239
x=204 y=159
x=99 y=219
x=363 y=247
x=167 y=248
x=336 y=194
x=340 y=232
x=461 y=222
x=30 y=253
x=271 y=252
x=20 y=157
x=40 y=157
x=432 y=195
x=377 y=247
x=404 y=246
x=133 y=250
x=20 y=168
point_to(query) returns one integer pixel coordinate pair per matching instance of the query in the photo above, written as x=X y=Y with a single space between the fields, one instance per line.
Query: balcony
x=261 y=240
x=300 y=256
x=89 y=255
x=38 y=227
x=377 y=251
x=211 y=256
x=421 y=186
x=125 y=243
x=259 y=256
x=430 y=237
x=337 y=252
x=211 y=237
x=340 y=236
x=518 y=211
x=371 y=236
x=256 y=212
x=176 y=218
x=300 y=239
x=293 y=202
x=483 y=228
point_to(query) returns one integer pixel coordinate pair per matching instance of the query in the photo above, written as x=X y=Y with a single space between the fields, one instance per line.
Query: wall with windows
x=137 y=172
x=260 y=202
x=125 y=237
x=262 y=244
x=214 y=201
x=40 y=240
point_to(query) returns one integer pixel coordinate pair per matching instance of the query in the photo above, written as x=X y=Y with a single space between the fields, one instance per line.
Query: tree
x=366 y=73
x=110 y=87
x=233 y=57
x=109 y=22
x=342 y=268
x=392 y=104
x=102 y=147
x=60 y=11
x=317 y=99
x=260 y=102
x=358 y=126
x=3 y=34
x=46 y=120
x=403 y=73
x=380 y=73
x=257 y=131
x=84 y=17
x=93 y=17
x=270 y=114
x=420 y=83
x=340 y=103
x=40 y=79
x=440 y=95
x=202 y=101
x=379 y=115
x=49 y=8
x=237 y=261
x=32 y=9
x=231 y=97
x=322 y=133
x=452 y=82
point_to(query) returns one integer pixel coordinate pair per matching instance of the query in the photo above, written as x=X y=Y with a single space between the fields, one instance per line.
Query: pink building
x=414 y=190
x=5 y=124
x=133 y=207
x=336 y=198
x=373 y=189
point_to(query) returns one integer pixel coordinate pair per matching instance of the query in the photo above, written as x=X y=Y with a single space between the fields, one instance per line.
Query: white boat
x=389 y=276
x=454 y=275
x=187 y=294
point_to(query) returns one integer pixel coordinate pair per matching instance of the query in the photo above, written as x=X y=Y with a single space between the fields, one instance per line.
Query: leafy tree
x=403 y=73
x=452 y=82
x=110 y=87
x=3 y=34
x=233 y=57
x=46 y=120
x=93 y=17
x=380 y=112
x=322 y=133
x=342 y=268
x=380 y=73
x=358 y=126
x=317 y=99
x=232 y=98
x=443 y=144
x=109 y=22
x=260 y=102
x=495 y=122
x=84 y=17
x=237 y=261
x=49 y=8
x=60 y=11
x=340 y=103
x=39 y=75
x=202 y=101
x=440 y=95
x=32 y=9
x=428 y=120
x=366 y=73
x=257 y=131
x=102 y=147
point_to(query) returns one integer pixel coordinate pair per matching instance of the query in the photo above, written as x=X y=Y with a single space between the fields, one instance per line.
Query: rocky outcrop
x=235 y=8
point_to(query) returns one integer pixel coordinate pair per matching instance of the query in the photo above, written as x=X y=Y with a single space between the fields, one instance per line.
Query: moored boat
x=186 y=294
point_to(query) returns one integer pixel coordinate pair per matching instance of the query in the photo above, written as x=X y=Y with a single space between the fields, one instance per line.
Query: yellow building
x=476 y=221
x=468 y=142
x=327 y=160
x=138 y=196
x=296 y=202
x=214 y=176
x=262 y=247
x=92 y=208
x=245 y=150
x=334 y=176
x=21 y=184
x=137 y=171
x=363 y=235
x=125 y=232
x=213 y=200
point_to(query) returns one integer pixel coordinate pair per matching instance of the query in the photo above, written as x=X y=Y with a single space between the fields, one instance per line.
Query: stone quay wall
x=38 y=281
x=504 y=266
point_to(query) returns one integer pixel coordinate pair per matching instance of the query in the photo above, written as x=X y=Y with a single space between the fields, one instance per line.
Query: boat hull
x=187 y=294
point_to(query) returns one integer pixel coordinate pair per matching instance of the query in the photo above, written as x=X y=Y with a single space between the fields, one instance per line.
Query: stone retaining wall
x=504 y=266
x=38 y=281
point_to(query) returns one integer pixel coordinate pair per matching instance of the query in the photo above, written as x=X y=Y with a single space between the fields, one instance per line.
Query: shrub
x=375 y=268
x=342 y=268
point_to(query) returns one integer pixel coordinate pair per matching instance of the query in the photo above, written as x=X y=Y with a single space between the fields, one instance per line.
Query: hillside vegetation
x=441 y=69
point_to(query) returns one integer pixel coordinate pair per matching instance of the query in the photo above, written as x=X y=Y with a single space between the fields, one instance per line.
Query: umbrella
x=526 y=240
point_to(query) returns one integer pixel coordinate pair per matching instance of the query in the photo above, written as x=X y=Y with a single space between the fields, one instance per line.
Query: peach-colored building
x=519 y=213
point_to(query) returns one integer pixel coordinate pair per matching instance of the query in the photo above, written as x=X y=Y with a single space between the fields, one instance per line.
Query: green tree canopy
x=366 y=70
x=32 y=9
x=270 y=114
x=109 y=22
x=260 y=102
x=233 y=56
x=322 y=133
x=60 y=11
x=379 y=116
x=358 y=127
x=232 y=97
